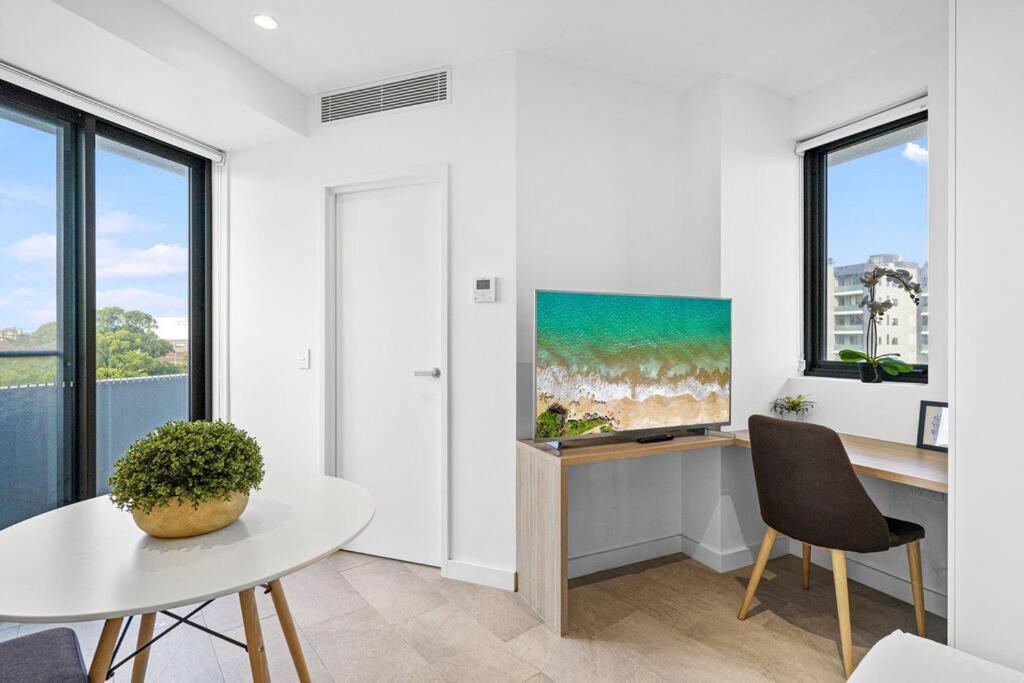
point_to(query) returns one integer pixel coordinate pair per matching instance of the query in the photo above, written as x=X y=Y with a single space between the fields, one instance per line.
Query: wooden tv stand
x=542 y=499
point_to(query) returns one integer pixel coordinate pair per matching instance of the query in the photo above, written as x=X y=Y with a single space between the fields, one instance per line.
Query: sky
x=141 y=230
x=878 y=204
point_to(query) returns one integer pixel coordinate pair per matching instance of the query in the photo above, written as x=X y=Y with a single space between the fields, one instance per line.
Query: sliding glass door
x=34 y=472
x=103 y=298
x=142 y=317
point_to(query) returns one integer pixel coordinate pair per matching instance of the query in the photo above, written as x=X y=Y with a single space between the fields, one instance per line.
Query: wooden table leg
x=291 y=635
x=253 y=637
x=104 y=651
x=146 y=625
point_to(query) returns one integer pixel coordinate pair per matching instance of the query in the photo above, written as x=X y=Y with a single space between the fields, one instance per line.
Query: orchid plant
x=889 y=363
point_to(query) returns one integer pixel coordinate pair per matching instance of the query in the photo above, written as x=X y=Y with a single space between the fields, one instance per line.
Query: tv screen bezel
x=629 y=433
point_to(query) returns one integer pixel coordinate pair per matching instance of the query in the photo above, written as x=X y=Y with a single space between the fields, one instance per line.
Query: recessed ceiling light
x=265 y=22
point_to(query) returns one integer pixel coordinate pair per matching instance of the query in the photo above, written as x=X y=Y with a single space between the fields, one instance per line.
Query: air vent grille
x=372 y=99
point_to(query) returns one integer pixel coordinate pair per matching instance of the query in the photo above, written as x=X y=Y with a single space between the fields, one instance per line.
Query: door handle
x=433 y=372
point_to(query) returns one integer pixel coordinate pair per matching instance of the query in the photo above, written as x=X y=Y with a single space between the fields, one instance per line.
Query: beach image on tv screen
x=615 y=362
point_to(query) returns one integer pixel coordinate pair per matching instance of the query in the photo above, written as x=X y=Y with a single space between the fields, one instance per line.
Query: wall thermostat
x=483 y=290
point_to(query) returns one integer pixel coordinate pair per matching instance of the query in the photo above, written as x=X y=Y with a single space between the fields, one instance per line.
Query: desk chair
x=808 y=491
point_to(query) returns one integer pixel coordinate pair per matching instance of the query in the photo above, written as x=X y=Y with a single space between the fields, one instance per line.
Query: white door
x=391 y=369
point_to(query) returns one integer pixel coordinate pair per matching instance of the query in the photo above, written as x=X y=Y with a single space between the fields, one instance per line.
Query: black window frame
x=815 y=253
x=77 y=285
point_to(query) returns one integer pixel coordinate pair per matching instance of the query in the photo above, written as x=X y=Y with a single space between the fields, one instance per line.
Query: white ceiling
x=789 y=46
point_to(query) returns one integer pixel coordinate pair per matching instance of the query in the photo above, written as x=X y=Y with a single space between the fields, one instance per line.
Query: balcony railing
x=31 y=467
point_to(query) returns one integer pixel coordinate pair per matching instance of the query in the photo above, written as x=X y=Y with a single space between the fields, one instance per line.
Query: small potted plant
x=792 y=407
x=187 y=478
x=871 y=363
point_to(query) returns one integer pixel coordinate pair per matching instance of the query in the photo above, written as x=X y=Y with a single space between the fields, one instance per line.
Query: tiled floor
x=367 y=619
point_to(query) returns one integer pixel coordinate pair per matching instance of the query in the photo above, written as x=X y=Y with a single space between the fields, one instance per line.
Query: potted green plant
x=792 y=407
x=874 y=366
x=187 y=478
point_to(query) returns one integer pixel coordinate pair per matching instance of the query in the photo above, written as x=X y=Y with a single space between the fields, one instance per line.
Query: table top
x=582 y=453
x=898 y=462
x=89 y=561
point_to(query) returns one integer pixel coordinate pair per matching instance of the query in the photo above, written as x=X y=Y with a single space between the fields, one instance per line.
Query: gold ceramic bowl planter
x=180 y=519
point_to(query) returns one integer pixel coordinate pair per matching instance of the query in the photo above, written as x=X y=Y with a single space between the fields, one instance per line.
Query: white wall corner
x=718 y=560
x=494 y=577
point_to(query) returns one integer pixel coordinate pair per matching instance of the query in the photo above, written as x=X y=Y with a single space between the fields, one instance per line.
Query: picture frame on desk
x=933 y=426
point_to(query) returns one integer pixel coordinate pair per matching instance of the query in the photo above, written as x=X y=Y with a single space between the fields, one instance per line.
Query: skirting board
x=727 y=561
x=895 y=586
x=478 y=573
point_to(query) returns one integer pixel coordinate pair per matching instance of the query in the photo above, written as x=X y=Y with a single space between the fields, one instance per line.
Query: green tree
x=127 y=345
x=45 y=335
x=23 y=370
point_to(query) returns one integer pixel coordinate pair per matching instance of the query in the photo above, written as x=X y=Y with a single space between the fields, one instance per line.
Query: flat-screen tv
x=613 y=363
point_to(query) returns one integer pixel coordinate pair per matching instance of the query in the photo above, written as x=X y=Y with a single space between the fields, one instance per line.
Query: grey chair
x=50 y=656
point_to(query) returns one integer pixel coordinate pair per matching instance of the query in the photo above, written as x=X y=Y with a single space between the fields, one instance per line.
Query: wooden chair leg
x=291 y=635
x=104 y=651
x=146 y=626
x=767 y=542
x=843 y=609
x=254 y=637
x=807 y=567
x=917 y=584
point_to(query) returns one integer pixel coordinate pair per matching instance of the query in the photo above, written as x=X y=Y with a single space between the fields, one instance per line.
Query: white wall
x=193 y=51
x=989 y=238
x=160 y=81
x=760 y=254
x=760 y=272
x=610 y=198
x=276 y=292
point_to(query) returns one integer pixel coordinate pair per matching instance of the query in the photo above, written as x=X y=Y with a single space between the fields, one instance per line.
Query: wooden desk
x=898 y=462
x=542 y=517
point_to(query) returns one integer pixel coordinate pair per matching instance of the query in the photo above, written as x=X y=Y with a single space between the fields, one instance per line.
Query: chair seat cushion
x=50 y=656
x=902 y=532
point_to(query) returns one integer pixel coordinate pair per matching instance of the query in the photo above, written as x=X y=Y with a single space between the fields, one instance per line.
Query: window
x=866 y=205
x=103 y=297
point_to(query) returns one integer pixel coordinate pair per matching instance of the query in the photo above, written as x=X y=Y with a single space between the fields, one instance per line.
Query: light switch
x=303 y=358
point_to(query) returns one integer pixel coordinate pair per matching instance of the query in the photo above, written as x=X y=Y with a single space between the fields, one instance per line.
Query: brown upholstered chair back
x=808 y=490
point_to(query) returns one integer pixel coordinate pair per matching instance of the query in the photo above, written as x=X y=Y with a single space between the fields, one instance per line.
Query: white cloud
x=15 y=297
x=134 y=299
x=113 y=260
x=12 y=195
x=121 y=222
x=27 y=308
x=916 y=153
x=41 y=247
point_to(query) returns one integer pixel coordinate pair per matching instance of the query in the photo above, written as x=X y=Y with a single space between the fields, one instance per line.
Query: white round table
x=89 y=561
